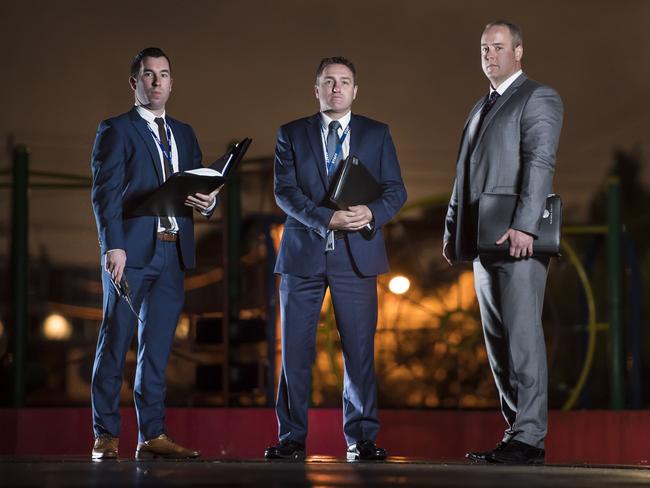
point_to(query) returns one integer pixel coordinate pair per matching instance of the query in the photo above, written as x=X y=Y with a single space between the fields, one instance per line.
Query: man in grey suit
x=508 y=146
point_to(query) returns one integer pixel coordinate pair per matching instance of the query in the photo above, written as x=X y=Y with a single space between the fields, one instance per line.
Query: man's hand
x=521 y=244
x=201 y=201
x=354 y=218
x=448 y=253
x=115 y=263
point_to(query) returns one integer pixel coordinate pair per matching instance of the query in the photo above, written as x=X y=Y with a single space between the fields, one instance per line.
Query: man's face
x=499 y=58
x=335 y=89
x=153 y=84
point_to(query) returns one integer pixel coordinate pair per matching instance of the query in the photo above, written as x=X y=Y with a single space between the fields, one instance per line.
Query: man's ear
x=354 y=93
x=316 y=92
x=519 y=52
x=132 y=82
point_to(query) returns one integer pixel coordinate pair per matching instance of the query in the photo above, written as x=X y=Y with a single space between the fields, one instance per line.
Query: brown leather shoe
x=105 y=447
x=163 y=447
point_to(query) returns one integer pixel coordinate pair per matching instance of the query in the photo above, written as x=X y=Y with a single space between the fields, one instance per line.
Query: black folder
x=169 y=199
x=496 y=212
x=353 y=184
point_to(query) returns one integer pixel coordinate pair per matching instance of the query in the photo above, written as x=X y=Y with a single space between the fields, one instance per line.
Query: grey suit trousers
x=511 y=296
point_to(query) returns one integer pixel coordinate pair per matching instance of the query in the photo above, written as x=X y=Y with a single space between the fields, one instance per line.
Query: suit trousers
x=354 y=298
x=510 y=293
x=158 y=294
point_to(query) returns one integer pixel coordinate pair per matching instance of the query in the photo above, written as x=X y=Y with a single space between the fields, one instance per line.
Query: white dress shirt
x=153 y=127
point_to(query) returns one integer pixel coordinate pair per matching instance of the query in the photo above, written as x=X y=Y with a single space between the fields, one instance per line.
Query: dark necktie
x=332 y=143
x=492 y=99
x=165 y=222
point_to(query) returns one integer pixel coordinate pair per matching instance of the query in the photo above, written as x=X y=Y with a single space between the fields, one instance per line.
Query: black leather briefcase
x=495 y=214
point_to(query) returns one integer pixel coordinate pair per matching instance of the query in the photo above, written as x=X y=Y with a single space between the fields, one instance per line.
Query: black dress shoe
x=516 y=452
x=483 y=456
x=287 y=449
x=365 y=451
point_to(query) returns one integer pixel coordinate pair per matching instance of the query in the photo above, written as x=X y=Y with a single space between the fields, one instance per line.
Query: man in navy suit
x=133 y=155
x=340 y=249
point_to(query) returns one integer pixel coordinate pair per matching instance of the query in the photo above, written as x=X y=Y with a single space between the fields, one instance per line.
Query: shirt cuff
x=210 y=209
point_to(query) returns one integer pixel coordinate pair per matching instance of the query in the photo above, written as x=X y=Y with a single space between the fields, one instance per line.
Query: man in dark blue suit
x=133 y=155
x=340 y=249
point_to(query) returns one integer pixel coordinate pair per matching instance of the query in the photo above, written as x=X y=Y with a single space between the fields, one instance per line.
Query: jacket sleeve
x=394 y=194
x=108 y=169
x=452 y=215
x=541 y=123
x=288 y=195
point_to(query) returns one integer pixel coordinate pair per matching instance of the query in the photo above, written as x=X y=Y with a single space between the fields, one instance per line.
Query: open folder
x=353 y=184
x=169 y=199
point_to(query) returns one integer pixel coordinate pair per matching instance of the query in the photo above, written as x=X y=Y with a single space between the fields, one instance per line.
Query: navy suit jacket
x=125 y=167
x=301 y=191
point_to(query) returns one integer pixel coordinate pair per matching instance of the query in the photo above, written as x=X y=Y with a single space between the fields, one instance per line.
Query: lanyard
x=166 y=154
x=339 y=148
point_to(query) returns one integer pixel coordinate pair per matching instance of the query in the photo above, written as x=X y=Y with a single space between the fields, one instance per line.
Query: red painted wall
x=592 y=437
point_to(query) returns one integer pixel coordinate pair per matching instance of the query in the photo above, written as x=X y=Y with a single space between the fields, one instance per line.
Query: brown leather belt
x=167 y=236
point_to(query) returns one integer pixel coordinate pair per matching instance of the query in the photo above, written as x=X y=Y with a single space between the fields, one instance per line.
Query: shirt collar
x=345 y=120
x=147 y=115
x=506 y=84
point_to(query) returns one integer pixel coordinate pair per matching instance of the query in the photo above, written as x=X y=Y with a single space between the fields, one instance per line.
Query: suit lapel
x=501 y=101
x=313 y=129
x=356 y=133
x=181 y=144
x=143 y=130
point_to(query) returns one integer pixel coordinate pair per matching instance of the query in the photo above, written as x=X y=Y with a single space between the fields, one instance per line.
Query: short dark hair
x=149 y=52
x=325 y=62
x=515 y=31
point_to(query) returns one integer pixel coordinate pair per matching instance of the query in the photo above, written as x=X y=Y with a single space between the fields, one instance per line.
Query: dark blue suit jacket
x=126 y=166
x=301 y=191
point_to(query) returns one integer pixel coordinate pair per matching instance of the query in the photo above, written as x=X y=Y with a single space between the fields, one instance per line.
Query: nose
x=336 y=88
x=155 y=81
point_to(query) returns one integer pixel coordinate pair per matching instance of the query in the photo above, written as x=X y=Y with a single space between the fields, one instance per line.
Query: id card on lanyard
x=167 y=154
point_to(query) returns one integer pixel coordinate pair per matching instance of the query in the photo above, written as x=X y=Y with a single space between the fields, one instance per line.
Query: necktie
x=165 y=222
x=332 y=144
x=492 y=99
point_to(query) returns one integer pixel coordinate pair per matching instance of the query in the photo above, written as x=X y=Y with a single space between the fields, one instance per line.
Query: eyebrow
x=330 y=77
x=149 y=70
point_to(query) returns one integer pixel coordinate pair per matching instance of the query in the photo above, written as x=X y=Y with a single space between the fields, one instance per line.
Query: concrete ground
x=318 y=472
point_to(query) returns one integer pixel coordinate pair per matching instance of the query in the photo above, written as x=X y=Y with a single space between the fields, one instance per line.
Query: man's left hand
x=201 y=201
x=363 y=213
x=521 y=244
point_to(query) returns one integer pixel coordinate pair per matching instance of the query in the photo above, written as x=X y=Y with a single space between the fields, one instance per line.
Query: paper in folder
x=169 y=199
x=353 y=184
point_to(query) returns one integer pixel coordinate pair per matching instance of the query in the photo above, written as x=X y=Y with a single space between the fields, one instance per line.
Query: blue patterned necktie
x=332 y=143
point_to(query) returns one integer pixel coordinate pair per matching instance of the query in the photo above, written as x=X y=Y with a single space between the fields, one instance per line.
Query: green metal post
x=617 y=395
x=19 y=267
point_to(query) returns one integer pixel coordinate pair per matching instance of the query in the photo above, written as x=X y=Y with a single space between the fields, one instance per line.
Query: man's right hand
x=447 y=253
x=115 y=263
x=350 y=220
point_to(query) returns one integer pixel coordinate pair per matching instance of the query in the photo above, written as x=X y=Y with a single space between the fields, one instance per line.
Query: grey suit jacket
x=513 y=152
